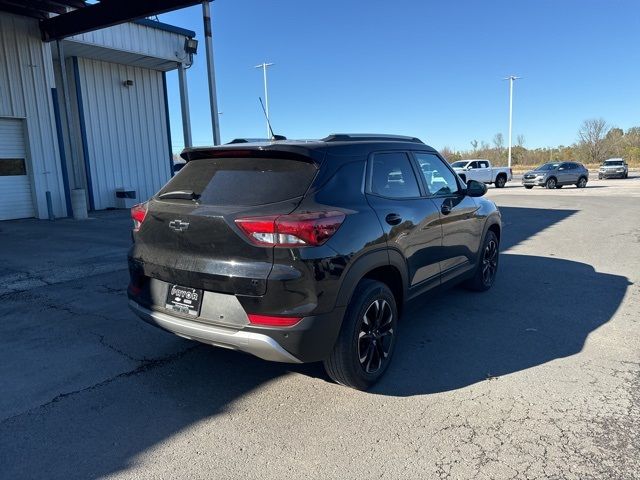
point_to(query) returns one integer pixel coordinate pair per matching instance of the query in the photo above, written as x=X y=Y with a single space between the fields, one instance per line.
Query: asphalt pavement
x=537 y=378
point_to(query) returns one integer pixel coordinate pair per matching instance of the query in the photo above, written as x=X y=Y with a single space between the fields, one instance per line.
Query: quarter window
x=439 y=180
x=391 y=176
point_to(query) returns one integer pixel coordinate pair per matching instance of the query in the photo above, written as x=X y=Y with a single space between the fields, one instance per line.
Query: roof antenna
x=273 y=135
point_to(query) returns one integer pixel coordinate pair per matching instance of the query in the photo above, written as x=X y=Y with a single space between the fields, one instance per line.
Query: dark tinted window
x=391 y=176
x=243 y=181
x=12 y=166
x=473 y=165
x=484 y=164
x=438 y=178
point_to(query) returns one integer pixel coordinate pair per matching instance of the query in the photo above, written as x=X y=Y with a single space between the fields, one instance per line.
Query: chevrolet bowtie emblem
x=178 y=225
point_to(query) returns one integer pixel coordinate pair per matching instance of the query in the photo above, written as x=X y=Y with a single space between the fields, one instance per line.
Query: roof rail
x=368 y=137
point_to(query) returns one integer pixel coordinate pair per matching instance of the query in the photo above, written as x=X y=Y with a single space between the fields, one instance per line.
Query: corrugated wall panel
x=127 y=142
x=134 y=38
x=26 y=79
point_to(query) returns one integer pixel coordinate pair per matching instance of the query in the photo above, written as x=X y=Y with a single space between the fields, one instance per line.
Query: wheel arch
x=384 y=266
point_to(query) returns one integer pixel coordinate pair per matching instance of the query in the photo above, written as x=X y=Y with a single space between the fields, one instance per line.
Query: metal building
x=112 y=83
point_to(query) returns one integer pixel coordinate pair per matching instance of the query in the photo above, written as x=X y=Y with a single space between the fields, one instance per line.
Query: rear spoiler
x=290 y=152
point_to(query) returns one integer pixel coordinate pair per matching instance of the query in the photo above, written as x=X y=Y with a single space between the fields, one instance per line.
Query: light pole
x=264 y=66
x=213 y=100
x=511 y=79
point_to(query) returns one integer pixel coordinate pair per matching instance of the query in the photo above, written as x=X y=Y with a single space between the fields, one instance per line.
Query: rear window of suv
x=243 y=181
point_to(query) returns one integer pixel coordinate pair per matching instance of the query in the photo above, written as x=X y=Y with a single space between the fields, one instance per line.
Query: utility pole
x=511 y=79
x=213 y=101
x=264 y=66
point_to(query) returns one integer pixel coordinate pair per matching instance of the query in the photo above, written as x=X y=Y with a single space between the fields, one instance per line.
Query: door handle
x=445 y=208
x=393 y=219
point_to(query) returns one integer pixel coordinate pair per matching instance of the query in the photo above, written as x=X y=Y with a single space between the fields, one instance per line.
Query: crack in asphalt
x=144 y=366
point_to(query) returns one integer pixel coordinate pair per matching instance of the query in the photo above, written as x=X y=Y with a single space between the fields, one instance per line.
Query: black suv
x=304 y=251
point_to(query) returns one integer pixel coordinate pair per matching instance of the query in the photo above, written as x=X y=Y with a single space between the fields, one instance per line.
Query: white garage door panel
x=16 y=200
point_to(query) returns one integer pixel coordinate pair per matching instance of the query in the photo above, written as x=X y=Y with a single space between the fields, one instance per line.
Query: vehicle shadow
x=540 y=309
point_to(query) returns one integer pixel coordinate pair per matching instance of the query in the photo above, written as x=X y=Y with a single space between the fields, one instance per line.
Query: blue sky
x=430 y=69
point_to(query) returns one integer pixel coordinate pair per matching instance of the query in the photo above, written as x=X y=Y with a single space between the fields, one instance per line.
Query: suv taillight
x=294 y=230
x=138 y=214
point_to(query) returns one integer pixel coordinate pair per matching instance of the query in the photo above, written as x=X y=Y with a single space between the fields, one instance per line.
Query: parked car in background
x=613 y=168
x=482 y=171
x=557 y=175
x=306 y=251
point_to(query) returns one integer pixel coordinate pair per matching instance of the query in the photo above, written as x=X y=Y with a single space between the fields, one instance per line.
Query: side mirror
x=475 y=188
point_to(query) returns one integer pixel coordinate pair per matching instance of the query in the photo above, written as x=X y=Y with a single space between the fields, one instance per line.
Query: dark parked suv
x=304 y=251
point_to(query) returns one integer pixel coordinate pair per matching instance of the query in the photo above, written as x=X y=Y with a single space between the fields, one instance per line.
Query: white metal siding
x=15 y=190
x=136 y=39
x=26 y=79
x=127 y=142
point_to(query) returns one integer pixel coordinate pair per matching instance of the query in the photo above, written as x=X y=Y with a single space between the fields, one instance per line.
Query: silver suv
x=557 y=175
x=613 y=168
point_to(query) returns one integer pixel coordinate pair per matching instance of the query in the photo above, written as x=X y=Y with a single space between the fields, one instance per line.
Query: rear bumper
x=257 y=344
x=310 y=340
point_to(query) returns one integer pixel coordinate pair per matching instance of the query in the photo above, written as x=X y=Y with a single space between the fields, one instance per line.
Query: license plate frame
x=184 y=300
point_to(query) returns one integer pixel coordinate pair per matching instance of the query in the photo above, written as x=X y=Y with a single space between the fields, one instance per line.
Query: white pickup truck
x=482 y=171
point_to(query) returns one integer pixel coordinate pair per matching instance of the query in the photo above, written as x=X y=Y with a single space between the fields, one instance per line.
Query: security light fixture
x=191 y=46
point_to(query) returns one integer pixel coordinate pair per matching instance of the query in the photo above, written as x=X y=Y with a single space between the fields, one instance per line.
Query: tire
x=528 y=187
x=599 y=177
x=485 y=274
x=501 y=180
x=626 y=175
x=551 y=183
x=582 y=182
x=367 y=338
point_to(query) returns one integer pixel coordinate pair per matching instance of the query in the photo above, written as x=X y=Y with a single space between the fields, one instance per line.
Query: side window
x=438 y=178
x=484 y=164
x=473 y=165
x=391 y=176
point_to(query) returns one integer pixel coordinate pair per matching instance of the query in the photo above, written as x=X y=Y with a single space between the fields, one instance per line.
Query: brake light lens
x=138 y=214
x=272 y=321
x=294 y=230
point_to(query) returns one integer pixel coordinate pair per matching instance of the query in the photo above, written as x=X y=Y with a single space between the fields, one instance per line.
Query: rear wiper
x=181 y=194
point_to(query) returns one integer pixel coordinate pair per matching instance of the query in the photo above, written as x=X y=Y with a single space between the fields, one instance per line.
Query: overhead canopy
x=87 y=17
x=39 y=8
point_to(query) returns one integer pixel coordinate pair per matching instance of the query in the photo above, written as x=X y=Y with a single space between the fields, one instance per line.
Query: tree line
x=596 y=141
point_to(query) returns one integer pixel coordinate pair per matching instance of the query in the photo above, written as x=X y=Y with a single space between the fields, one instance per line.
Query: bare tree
x=520 y=140
x=474 y=144
x=498 y=142
x=593 y=134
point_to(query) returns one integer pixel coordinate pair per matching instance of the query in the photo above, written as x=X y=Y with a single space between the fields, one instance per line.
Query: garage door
x=16 y=200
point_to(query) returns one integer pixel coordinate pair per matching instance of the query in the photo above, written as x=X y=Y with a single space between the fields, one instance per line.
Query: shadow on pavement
x=540 y=309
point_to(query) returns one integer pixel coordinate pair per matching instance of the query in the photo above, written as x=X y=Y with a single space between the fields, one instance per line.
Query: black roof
x=338 y=144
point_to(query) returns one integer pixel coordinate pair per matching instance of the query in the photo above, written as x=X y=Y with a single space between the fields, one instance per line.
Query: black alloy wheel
x=376 y=336
x=489 y=262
